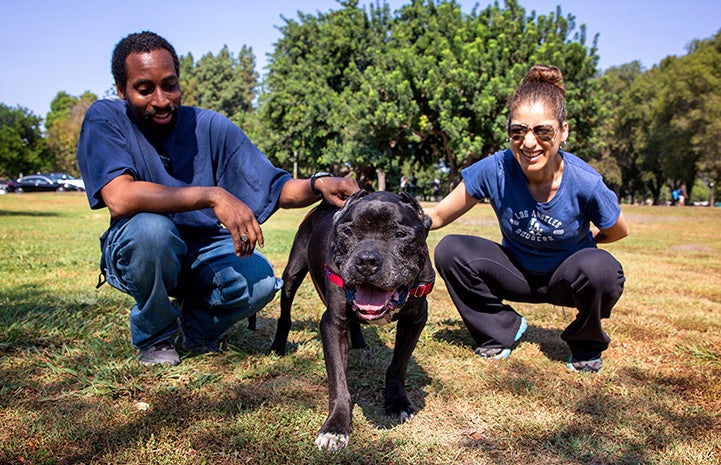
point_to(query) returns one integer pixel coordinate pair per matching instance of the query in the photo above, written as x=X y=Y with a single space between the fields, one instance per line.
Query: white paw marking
x=405 y=416
x=331 y=441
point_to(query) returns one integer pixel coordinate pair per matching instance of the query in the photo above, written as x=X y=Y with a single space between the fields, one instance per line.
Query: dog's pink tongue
x=371 y=299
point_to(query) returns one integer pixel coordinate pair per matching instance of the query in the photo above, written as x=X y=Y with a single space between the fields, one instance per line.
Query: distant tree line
x=376 y=94
x=663 y=129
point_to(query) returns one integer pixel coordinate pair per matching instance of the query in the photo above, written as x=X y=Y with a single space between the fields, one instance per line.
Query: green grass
x=71 y=392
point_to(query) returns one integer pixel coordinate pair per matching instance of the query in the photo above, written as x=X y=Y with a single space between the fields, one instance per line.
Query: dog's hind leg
x=293 y=276
x=357 y=341
x=408 y=332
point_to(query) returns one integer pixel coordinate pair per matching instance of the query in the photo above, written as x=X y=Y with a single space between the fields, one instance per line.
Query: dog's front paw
x=331 y=441
x=277 y=349
x=405 y=416
x=404 y=412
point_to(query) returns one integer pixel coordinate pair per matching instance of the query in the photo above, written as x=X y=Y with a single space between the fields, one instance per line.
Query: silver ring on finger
x=244 y=238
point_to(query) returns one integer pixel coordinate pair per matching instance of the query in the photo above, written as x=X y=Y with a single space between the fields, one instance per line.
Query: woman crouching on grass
x=545 y=200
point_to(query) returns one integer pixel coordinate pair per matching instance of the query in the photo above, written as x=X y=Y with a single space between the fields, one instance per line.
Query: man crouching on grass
x=187 y=192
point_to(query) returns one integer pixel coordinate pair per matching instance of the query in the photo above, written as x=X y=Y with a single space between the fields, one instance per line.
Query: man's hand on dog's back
x=297 y=193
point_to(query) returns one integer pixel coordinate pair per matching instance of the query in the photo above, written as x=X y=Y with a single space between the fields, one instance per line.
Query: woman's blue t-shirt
x=203 y=149
x=541 y=235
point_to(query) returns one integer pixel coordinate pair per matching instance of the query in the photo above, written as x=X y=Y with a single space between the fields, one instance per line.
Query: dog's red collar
x=333 y=277
x=419 y=290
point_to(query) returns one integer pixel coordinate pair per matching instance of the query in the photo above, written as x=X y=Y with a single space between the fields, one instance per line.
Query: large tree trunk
x=381 y=179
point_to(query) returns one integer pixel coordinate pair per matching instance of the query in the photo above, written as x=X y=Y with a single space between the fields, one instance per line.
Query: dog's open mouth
x=372 y=303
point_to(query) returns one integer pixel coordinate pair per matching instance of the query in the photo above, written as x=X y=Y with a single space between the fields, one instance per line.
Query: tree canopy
x=366 y=89
x=664 y=123
x=223 y=82
x=22 y=146
x=62 y=125
x=423 y=89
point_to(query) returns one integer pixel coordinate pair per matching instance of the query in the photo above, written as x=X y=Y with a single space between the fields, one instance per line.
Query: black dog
x=370 y=264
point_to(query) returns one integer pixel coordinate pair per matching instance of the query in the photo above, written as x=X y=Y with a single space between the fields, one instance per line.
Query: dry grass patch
x=71 y=391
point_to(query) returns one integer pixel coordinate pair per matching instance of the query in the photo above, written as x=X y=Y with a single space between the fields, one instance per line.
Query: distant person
x=436 y=187
x=187 y=192
x=412 y=185
x=681 y=196
x=404 y=183
x=553 y=209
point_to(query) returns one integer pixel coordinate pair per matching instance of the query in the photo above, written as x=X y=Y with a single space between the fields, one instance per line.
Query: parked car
x=41 y=183
x=68 y=179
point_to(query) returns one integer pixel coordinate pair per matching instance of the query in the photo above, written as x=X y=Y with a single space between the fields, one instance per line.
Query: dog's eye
x=348 y=232
x=400 y=234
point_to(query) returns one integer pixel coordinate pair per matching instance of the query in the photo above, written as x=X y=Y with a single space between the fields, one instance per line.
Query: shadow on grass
x=34 y=214
x=204 y=417
x=69 y=386
x=76 y=406
x=366 y=367
x=32 y=316
x=366 y=377
x=603 y=427
x=548 y=340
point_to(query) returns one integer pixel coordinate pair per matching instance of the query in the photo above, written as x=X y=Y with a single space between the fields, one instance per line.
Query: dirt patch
x=697 y=248
x=636 y=218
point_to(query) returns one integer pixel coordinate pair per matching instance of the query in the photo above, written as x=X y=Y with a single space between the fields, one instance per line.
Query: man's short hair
x=140 y=42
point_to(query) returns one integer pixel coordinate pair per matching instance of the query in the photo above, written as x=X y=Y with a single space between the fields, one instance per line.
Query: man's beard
x=149 y=128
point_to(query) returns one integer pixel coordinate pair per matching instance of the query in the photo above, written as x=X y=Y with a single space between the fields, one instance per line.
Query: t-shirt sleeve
x=603 y=208
x=481 y=177
x=103 y=153
x=248 y=174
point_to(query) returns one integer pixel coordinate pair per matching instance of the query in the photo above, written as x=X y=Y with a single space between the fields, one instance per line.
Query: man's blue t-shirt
x=204 y=149
x=541 y=235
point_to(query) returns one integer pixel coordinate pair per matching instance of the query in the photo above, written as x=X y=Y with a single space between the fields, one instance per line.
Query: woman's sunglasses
x=543 y=132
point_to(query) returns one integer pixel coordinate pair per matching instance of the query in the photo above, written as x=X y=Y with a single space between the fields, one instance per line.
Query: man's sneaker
x=589 y=366
x=196 y=347
x=500 y=353
x=161 y=353
x=213 y=347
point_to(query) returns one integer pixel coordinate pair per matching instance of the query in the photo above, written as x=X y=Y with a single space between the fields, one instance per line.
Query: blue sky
x=47 y=45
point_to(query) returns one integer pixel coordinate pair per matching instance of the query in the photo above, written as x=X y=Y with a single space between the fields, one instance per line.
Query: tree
x=63 y=124
x=222 y=82
x=666 y=129
x=188 y=80
x=692 y=107
x=22 y=147
x=623 y=119
x=463 y=68
x=312 y=89
x=374 y=91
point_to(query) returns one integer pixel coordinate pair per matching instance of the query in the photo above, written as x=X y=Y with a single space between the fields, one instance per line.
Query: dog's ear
x=360 y=193
x=425 y=219
x=427 y=222
x=350 y=200
x=408 y=198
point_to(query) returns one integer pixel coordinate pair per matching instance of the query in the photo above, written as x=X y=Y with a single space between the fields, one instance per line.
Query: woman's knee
x=449 y=249
x=601 y=269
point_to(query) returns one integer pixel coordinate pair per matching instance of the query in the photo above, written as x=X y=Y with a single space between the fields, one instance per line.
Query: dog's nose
x=367 y=262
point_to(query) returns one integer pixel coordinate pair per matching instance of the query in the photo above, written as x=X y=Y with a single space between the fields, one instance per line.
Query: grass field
x=71 y=392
